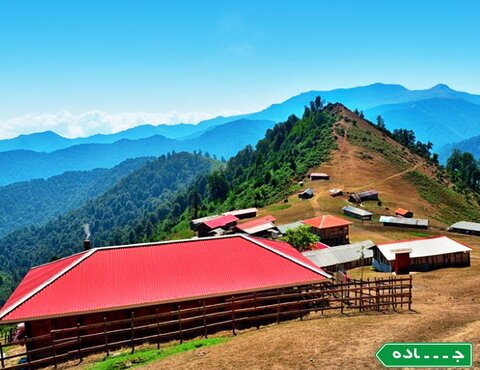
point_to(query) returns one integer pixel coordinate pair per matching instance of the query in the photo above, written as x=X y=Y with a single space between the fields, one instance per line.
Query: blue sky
x=186 y=60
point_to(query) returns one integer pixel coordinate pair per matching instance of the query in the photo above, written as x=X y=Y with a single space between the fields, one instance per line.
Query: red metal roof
x=401 y=211
x=319 y=246
x=326 y=222
x=118 y=277
x=256 y=222
x=221 y=221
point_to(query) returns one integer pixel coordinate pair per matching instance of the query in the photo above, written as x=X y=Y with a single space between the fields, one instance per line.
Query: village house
x=357 y=213
x=217 y=225
x=342 y=257
x=404 y=213
x=415 y=223
x=332 y=230
x=242 y=213
x=465 y=227
x=263 y=226
x=363 y=196
x=306 y=194
x=420 y=255
x=158 y=287
x=318 y=176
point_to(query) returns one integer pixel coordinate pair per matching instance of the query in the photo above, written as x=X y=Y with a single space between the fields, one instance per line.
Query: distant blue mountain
x=471 y=145
x=441 y=115
x=222 y=141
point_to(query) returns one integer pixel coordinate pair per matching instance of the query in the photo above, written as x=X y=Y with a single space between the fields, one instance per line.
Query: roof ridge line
x=45 y=284
x=271 y=249
x=414 y=240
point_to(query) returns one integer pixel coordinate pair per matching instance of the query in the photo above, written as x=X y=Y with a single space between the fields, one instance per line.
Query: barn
x=306 y=194
x=465 y=227
x=415 y=223
x=160 y=287
x=332 y=230
x=420 y=255
x=344 y=257
x=263 y=226
x=363 y=196
x=357 y=213
x=318 y=176
x=404 y=213
x=213 y=226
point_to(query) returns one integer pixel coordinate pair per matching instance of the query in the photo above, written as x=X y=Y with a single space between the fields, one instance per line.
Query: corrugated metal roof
x=327 y=221
x=404 y=221
x=239 y=212
x=221 y=221
x=423 y=247
x=357 y=211
x=466 y=225
x=259 y=228
x=340 y=254
x=126 y=276
x=367 y=193
x=203 y=219
x=401 y=211
x=283 y=228
x=319 y=174
x=262 y=221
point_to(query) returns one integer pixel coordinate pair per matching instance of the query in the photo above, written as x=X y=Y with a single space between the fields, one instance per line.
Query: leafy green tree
x=301 y=238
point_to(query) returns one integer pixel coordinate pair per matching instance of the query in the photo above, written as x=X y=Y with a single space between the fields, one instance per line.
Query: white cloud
x=95 y=122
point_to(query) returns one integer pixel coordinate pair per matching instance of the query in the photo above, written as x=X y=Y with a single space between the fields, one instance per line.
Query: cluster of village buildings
x=234 y=253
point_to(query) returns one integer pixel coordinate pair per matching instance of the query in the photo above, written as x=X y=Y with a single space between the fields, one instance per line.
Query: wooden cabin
x=359 y=213
x=344 y=257
x=403 y=213
x=415 y=223
x=263 y=227
x=332 y=230
x=465 y=227
x=420 y=255
x=210 y=227
x=363 y=196
x=242 y=213
x=318 y=176
x=106 y=298
x=306 y=194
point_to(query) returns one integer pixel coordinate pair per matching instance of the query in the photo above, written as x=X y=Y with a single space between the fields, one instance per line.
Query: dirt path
x=388 y=178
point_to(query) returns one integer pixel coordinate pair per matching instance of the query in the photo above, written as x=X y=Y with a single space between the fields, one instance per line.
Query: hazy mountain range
x=440 y=115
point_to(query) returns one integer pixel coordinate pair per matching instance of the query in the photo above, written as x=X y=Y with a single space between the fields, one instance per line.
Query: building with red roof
x=116 y=282
x=208 y=227
x=404 y=213
x=332 y=230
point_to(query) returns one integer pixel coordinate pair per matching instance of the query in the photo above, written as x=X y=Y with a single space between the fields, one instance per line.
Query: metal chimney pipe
x=86 y=245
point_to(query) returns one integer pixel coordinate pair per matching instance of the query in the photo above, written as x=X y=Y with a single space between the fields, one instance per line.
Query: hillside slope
x=114 y=216
x=36 y=201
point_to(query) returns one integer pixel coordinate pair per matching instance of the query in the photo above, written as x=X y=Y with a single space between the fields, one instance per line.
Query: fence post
x=105 y=336
x=52 y=341
x=28 y=353
x=341 y=297
x=256 y=313
x=278 y=306
x=180 y=324
x=158 y=328
x=410 y=294
x=361 y=295
x=1 y=355
x=300 y=311
x=377 y=294
x=79 y=339
x=132 y=331
x=205 y=321
x=233 y=316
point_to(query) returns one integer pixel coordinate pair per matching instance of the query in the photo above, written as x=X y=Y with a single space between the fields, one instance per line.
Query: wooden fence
x=235 y=312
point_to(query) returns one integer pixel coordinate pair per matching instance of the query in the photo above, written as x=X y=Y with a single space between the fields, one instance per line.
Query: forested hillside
x=113 y=217
x=36 y=201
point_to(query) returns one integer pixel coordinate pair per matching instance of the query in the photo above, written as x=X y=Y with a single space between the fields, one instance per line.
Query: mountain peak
x=441 y=87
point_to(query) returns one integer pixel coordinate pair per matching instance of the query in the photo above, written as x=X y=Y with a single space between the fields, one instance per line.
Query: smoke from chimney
x=86 y=243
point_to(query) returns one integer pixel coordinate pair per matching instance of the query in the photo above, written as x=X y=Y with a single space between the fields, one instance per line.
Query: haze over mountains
x=439 y=114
